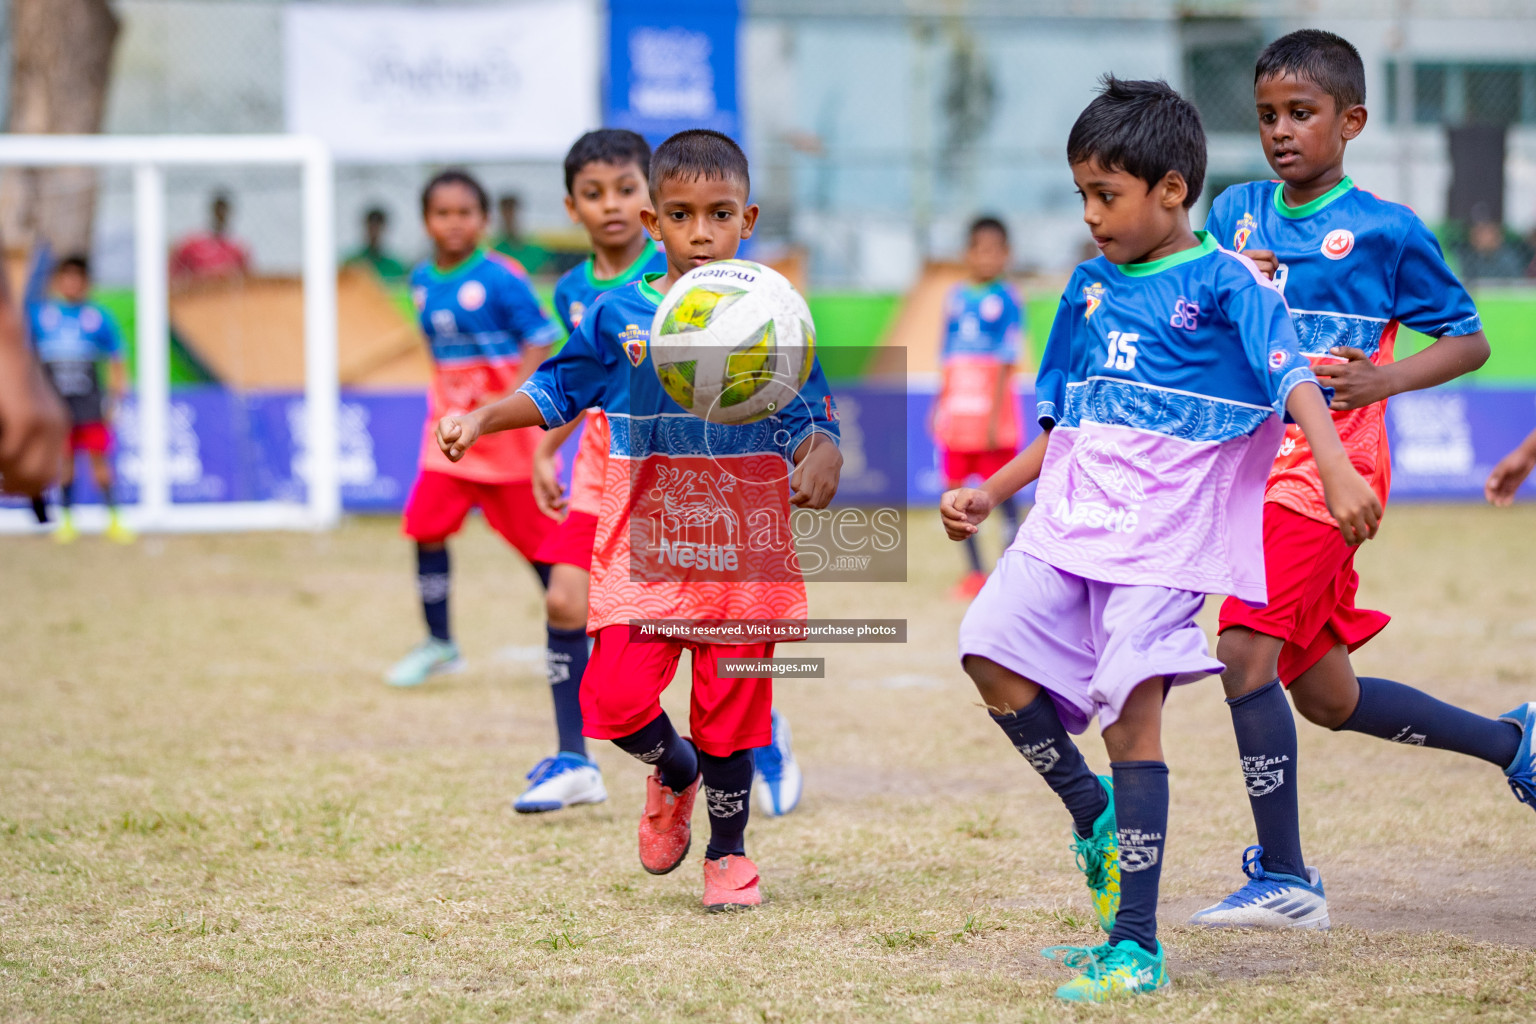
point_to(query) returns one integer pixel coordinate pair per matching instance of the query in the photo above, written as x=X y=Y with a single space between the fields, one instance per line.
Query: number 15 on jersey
x=1122 y=350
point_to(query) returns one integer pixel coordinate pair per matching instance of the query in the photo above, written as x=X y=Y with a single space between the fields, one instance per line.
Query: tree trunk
x=62 y=60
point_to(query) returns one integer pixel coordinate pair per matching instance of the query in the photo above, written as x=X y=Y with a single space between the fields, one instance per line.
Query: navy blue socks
x=973 y=554
x=1037 y=733
x=566 y=660
x=1141 y=813
x=432 y=584
x=659 y=744
x=1392 y=711
x=727 y=787
x=1266 y=743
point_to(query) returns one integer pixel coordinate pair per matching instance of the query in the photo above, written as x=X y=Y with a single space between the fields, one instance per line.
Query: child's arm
x=1511 y=472
x=1360 y=382
x=547 y=492
x=818 y=466
x=1350 y=499
x=964 y=508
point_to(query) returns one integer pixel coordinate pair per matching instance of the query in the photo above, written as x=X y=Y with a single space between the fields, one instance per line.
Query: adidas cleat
x=776 y=778
x=1269 y=900
x=1109 y=971
x=565 y=780
x=1098 y=858
x=1521 y=772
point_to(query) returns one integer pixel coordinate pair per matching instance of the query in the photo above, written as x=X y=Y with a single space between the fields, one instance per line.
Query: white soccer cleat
x=776 y=778
x=1269 y=900
x=561 y=781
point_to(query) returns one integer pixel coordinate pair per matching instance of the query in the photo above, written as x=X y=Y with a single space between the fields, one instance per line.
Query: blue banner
x=226 y=446
x=672 y=65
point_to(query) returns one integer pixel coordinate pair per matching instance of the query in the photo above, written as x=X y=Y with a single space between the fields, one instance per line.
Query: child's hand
x=1352 y=502
x=547 y=492
x=1508 y=475
x=455 y=434
x=814 y=481
x=962 y=510
x=1266 y=261
x=1357 y=383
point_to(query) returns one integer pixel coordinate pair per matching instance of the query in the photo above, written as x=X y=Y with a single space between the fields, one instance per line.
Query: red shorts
x=571 y=542
x=1312 y=583
x=90 y=437
x=439 y=502
x=622 y=691
x=961 y=466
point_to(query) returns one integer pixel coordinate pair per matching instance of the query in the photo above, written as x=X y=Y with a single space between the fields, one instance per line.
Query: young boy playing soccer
x=700 y=213
x=74 y=337
x=975 y=420
x=1158 y=392
x=606 y=175
x=486 y=333
x=1352 y=267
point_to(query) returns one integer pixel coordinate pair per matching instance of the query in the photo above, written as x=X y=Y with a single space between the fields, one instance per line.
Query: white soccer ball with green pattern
x=733 y=342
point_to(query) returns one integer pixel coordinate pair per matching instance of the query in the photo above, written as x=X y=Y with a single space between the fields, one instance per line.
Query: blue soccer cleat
x=776 y=778
x=1521 y=772
x=1269 y=900
x=564 y=780
x=1109 y=971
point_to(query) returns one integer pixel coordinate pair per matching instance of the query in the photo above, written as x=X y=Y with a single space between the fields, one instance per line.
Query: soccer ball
x=733 y=342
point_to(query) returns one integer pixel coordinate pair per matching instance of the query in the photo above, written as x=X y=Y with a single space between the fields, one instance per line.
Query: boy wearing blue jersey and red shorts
x=1352 y=267
x=486 y=332
x=657 y=455
x=975 y=417
x=1160 y=393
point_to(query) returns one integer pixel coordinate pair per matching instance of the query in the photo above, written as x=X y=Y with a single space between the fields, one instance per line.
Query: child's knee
x=1002 y=690
x=565 y=604
x=1249 y=661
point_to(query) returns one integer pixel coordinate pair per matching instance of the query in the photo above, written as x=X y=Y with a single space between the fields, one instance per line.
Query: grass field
x=212 y=809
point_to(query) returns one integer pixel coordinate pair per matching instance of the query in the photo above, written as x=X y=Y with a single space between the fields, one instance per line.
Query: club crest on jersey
x=576 y=312
x=991 y=308
x=1277 y=360
x=1093 y=294
x=633 y=338
x=1338 y=243
x=471 y=296
x=1245 y=229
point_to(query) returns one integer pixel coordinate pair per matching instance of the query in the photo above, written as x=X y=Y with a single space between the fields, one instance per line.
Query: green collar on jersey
x=1308 y=209
x=1207 y=245
x=625 y=276
x=468 y=261
x=649 y=290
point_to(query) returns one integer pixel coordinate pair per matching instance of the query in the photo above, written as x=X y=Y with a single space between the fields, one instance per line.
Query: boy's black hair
x=456 y=176
x=376 y=213
x=74 y=261
x=1328 y=61
x=1145 y=129
x=699 y=153
x=987 y=222
x=616 y=146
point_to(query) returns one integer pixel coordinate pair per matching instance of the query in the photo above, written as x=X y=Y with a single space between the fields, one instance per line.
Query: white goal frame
x=149 y=155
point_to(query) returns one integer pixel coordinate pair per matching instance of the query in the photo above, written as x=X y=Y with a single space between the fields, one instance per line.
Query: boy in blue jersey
x=606 y=184
x=660 y=455
x=74 y=338
x=975 y=417
x=486 y=332
x=1159 y=393
x=1352 y=268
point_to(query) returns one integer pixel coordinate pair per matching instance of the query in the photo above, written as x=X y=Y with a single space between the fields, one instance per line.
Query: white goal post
x=148 y=156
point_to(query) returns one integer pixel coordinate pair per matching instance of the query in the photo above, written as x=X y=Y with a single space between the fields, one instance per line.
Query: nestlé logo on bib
x=471 y=296
x=1338 y=243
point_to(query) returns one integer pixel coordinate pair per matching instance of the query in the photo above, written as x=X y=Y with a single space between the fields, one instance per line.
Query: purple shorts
x=1088 y=643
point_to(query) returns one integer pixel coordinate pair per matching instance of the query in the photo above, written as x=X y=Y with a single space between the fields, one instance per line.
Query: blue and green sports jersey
x=983 y=320
x=578 y=287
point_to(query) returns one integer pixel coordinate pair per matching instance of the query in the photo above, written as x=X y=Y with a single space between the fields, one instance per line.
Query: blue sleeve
x=1013 y=326
x=563 y=303
x=1219 y=221
x=575 y=378
x=109 y=340
x=815 y=413
x=522 y=314
x=1256 y=310
x=1056 y=360
x=1426 y=295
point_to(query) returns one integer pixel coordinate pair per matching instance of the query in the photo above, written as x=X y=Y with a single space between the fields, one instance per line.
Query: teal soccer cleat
x=428 y=658
x=1123 y=969
x=1098 y=858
